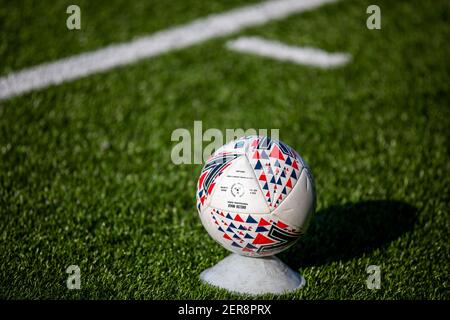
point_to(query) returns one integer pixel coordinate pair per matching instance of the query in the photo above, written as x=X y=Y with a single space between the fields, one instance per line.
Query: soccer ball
x=255 y=196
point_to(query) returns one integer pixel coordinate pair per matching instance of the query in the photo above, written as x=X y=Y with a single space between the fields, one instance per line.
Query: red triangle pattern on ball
x=277 y=168
x=248 y=232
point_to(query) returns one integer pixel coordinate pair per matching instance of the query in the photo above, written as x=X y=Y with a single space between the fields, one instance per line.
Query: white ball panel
x=298 y=206
x=237 y=190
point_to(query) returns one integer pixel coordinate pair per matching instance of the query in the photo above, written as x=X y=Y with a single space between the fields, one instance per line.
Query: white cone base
x=253 y=275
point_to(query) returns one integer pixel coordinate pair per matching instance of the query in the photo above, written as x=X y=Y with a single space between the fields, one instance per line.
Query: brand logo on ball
x=273 y=182
x=237 y=190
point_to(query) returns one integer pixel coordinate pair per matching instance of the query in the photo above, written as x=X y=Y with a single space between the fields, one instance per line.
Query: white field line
x=200 y=30
x=279 y=51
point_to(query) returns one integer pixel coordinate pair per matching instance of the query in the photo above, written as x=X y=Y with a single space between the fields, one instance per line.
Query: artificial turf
x=86 y=176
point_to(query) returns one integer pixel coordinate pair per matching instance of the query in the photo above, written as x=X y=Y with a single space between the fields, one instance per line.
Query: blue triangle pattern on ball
x=234 y=244
x=293 y=175
x=261 y=229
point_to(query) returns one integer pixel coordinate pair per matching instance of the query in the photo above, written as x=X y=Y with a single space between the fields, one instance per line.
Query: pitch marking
x=183 y=36
x=280 y=51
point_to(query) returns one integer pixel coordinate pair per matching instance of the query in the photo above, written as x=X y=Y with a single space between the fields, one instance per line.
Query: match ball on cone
x=256 y=196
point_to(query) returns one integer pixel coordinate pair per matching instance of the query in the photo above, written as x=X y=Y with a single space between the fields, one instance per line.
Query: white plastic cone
x=253 y=275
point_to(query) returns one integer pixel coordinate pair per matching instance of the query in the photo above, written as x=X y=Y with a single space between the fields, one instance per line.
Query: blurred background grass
x=86 y=176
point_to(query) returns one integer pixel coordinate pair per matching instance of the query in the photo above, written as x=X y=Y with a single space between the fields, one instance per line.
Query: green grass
x=86 y=176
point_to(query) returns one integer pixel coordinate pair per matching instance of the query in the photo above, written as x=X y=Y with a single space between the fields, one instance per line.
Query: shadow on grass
x=346 y=231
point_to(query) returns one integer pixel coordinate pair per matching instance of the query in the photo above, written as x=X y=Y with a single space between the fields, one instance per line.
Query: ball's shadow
x=342 y=232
